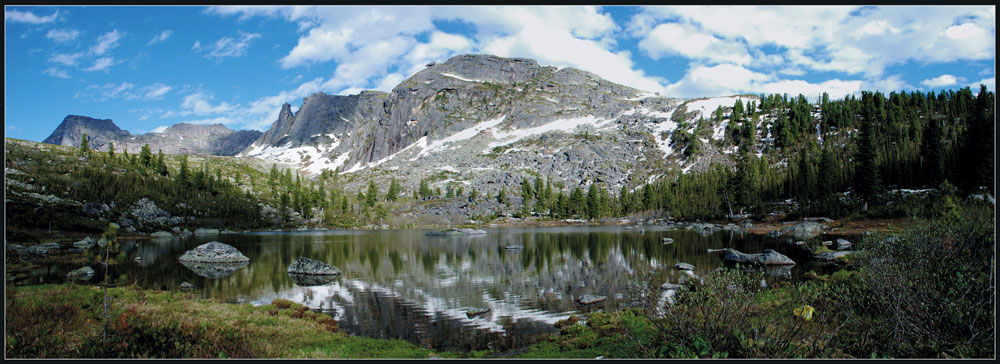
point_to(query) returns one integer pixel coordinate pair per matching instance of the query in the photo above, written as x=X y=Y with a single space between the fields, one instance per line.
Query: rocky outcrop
x=591 y=299
x=302 y=265
x=81 y=274
x=805 y=230
x=214 y=252
x=768 y=257
x=86 y=243
x=842 y=244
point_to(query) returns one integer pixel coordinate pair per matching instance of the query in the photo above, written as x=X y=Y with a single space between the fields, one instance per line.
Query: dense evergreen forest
x=876 y=156
x=838 y=158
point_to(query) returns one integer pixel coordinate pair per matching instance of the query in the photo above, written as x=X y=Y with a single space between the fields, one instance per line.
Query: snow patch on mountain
x=452 y=75
x=563 y=125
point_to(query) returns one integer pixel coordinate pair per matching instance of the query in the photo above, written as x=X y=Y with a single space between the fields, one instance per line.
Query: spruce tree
x=866 y=175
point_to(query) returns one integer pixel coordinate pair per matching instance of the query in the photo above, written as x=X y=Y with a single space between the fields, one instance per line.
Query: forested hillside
x=877 y=156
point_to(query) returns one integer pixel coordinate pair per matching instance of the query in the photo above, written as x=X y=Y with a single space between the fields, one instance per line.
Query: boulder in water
x=214 y=270
x=161 y=235
x=309 y=280
x=81 y=274
x=768 y=257
x=684 y=266
x=214 y=252
x=588 y=299
x=473 y=312
x=456 y=232
x=302 y=265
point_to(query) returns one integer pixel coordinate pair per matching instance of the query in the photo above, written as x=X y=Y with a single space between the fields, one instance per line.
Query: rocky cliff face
x=178 y=139
x=485 y=121
x=99 y=132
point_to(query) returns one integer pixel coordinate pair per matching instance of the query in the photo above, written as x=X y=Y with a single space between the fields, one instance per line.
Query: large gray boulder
x=86 y=243
x=805 y=230
x=768 y=257
x=842 y=244
x=588 y=299
x=81 y=274
x=214 y=252
x=214 y=270
x=303 y=265
x=159 y=235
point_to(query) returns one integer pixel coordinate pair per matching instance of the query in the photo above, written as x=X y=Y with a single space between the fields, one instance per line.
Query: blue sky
x=149 y=67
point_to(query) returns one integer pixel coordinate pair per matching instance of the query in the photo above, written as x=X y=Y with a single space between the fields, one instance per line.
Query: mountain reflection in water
x=403 y=284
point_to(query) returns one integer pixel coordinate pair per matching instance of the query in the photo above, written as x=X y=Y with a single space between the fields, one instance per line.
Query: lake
x=404 y=284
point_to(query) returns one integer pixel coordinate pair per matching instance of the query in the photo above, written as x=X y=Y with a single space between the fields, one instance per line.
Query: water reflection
x=403 y=284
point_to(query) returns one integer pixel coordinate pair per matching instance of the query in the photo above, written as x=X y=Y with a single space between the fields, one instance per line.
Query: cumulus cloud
x=66 y=59
x=106 y=42
x=55 y=72
x=989 y=82
x=16 y=16
x=199 y=103
x=683 y=40
x=940 y=81
x=161 y=37
x=836 y=38
x=227 y=47
x=101 y=64
x=62 y=35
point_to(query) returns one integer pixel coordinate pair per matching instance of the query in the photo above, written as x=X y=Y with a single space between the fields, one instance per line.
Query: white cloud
x=101 y=64
x=989 y=82
x=227 y=46
x=264 y=111
x=200 y=104
x=124 y=90
x=161 y=37
x=55 y=72
x=66 y=59
x=155 y=91
x=836 y=38
x=577 y=36
x=15 y=16
x=106 y=91
x=683 y=40
x=106 y=42
x=724 y=79
x=62 y=35
x=940 y=81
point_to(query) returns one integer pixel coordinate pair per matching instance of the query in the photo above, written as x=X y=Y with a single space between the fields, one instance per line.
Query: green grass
x=58 y=321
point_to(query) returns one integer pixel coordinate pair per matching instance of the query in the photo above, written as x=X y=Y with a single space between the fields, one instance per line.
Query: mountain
x=485 y=121
x=181 y=138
